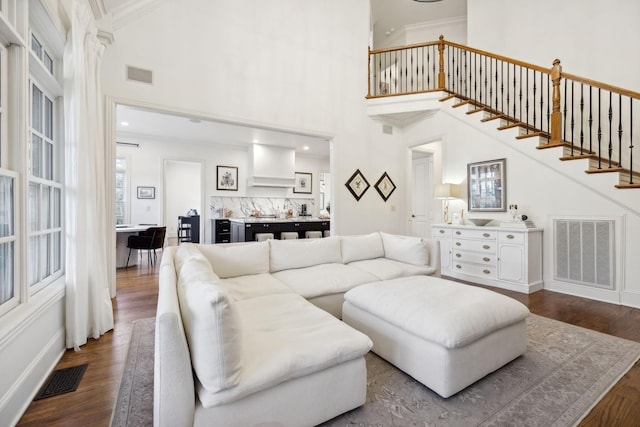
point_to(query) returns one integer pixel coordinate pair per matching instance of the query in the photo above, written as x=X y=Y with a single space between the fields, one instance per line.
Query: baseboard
x=17 y=399
x=603 y=295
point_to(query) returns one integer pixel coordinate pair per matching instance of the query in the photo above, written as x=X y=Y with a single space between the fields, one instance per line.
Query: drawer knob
x=441 y=231
x=458 y=266
x=510 y=236
x=458 y=244
x=486 y=235
x=486 y=247
x=486 y=259
x=486 y=271
x=458 y=232
x=458 y=255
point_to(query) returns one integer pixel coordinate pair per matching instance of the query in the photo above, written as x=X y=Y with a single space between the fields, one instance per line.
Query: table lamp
x=447 y=191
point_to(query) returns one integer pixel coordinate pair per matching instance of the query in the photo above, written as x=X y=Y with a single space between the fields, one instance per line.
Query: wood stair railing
x=588 y=119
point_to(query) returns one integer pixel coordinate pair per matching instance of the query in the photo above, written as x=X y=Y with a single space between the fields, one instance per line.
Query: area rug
x=564 y=373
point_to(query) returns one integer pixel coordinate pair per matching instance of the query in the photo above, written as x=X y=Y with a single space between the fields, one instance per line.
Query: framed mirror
x=487 y=186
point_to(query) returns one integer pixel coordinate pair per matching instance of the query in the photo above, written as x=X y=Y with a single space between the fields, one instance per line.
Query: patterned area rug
x=564 y=373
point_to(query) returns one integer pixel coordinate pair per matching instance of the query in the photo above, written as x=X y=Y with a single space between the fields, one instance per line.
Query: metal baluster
x=490 y=75
x=496 y=106
x=610 y=148
x=599 y=130
x=630 y=140
x=564 y=121
x=573 y=121
x=535 y=90
x=541 y=101
x=514 y=93
x=520 y=95
x=620 y=130
x=581 y=118
x=485 y=83
x=590 y=119
x=502 y=110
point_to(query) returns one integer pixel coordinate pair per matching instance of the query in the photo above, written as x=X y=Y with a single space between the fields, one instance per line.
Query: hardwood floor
x=91 y=404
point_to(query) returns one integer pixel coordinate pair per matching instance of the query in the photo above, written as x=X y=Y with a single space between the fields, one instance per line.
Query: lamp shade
x=447 y=191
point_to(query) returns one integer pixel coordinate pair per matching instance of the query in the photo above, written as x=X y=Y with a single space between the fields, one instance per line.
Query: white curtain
x=88 y=302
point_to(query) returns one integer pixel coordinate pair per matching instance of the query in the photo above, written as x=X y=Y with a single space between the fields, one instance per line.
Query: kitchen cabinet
x=244 y=230
x=509 y=258
x=221 y=231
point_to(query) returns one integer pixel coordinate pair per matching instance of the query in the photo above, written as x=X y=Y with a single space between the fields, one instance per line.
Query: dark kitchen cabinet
x=221 y=231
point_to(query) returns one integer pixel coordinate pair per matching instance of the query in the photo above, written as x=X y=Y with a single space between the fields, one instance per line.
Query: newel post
x=556 y=116
x=441 y=65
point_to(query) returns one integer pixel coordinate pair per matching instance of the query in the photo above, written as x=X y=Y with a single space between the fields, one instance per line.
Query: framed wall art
x=487 y=186
x=303 y=183
x=385 y=186
x=227 y=178
x=146 y=192
x=357 y=184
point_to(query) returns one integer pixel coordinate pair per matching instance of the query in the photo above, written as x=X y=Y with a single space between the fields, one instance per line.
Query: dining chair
x=147 y=240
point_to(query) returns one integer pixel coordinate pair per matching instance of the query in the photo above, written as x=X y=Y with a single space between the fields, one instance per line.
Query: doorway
x=182 y=194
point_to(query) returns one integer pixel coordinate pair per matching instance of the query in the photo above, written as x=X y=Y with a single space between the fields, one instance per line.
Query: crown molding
x=98 y=9
x=133 y=10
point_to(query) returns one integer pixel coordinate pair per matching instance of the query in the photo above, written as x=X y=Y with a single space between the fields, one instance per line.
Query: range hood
x=271 y=166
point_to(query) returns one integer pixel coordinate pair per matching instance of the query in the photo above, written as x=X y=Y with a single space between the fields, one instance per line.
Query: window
x=41 y=53
x=45 y=193
x=121 y=190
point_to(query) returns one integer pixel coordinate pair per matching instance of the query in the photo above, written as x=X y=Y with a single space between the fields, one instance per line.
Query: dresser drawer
x=511 y=237
x=488 y=271
x=478 y=258
x=441 y=232
x=474 y=233
x=474 y=245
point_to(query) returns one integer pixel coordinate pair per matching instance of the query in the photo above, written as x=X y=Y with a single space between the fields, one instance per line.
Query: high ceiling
x=388 y=16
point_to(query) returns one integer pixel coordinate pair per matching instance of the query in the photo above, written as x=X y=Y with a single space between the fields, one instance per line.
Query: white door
x=421 y=198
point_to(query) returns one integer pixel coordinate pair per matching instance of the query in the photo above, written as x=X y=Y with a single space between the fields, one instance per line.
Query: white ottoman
x=444 y=334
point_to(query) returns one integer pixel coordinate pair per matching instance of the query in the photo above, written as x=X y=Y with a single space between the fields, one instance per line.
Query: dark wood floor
x=91 y=404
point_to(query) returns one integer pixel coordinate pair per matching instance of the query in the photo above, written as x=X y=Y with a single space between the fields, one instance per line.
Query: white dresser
x=509 y=258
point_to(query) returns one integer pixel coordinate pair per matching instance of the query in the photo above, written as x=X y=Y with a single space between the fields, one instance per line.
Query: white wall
x=284 y=64
x=592 y=38
x=542 y=186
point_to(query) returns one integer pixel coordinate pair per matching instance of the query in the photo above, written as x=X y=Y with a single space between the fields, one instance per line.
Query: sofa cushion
x=254 y=285
x=212 y=327
x=325 y=279
x=299 y=253
x=238 y=260
x=409 y=249
x=423 y=306
x=385 y=269
x=359 y=247
x=192 y=266
x=287 y=337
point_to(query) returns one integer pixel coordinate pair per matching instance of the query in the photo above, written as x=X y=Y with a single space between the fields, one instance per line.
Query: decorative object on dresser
x=146 y=192
x=487 y=182
x=446 y=191
x=385 y=186
x=227 y=178
x=493 y=256
x=357 y=184
x=303 y=183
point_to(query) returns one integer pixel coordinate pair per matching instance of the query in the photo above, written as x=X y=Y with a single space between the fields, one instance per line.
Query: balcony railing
x=590 y=118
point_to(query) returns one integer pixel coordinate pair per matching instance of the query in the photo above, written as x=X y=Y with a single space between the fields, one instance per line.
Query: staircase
x=586 y=120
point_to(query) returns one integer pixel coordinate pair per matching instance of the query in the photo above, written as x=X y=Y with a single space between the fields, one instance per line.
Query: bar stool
x=287 y=235
x=261 y=237
x=313 y=234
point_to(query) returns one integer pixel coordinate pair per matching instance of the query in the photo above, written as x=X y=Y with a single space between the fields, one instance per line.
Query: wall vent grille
x=387 y=129
x=139 y=75
x=584 y=252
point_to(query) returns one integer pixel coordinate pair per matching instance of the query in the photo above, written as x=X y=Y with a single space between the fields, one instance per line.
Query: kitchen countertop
x=268 y=219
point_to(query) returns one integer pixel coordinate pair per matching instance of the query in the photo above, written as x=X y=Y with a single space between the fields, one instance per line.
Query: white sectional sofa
x=249 y=334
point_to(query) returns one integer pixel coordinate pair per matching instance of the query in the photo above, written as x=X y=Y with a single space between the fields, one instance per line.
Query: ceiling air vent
x=139 y=75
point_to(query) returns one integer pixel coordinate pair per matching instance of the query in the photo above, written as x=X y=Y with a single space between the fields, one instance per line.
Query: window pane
x=57 y=211
x=36 y=109
x=6 y=206
x=57 y=251
x=36 y=156
x=45 y=215
x=36 y=47
x=48 y=118
x=48 y=62
x=45 y=250
x=34 y=206
x=6 y=272
x=33 y=260
x=48 y=161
